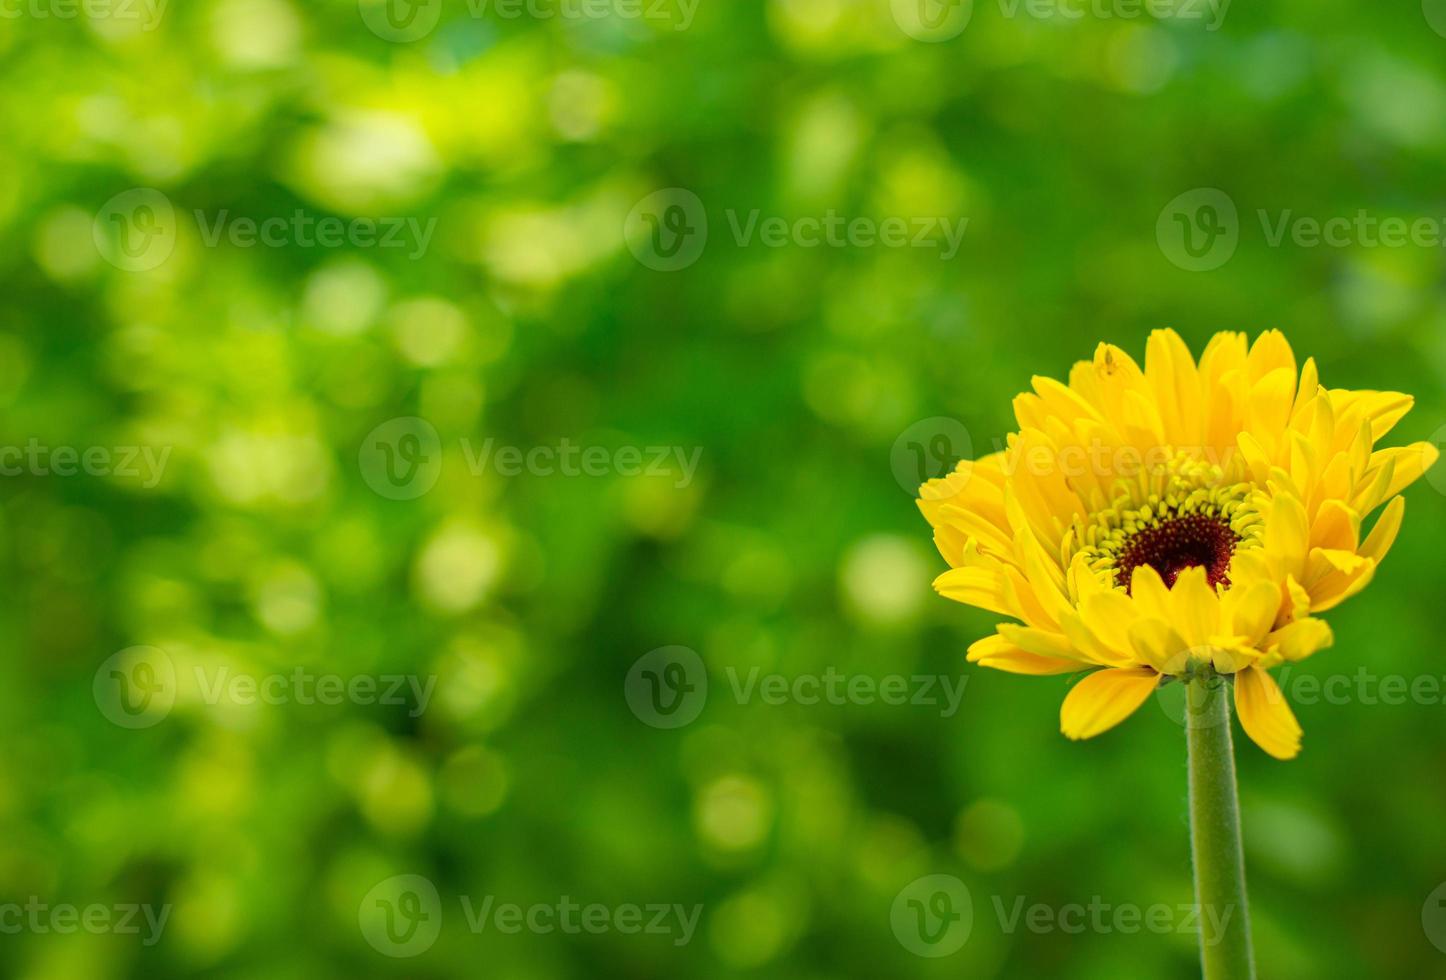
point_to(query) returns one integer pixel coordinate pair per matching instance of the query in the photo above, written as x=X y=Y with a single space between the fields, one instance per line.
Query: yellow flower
x=1149 y=524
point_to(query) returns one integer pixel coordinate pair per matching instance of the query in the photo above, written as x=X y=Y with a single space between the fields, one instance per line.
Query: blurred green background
x=283 y=532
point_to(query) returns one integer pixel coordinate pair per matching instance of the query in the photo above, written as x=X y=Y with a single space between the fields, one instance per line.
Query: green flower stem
x=1225 y=949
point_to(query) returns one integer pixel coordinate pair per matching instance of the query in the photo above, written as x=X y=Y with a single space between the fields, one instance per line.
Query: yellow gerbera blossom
x=1152 y=523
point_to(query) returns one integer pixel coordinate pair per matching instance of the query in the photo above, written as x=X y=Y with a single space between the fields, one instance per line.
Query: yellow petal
x=1381 y=409
x=996 y=652
x=1091 y=647
x=1171 y=372
x=1264 y=714
x=1271 y=399
x=1383 y=535
x=1157 y=643
x=1104 y=699
x=1044 y=643
x=1336 y=526
x=1309 y=380
x=1249 y=610
x=1300 y=639
x=976 y=587
x=1148 y=590
x=1196 y=607
x=1270 y=352
x=1337 y=587
x=1230 y=655
x=1287 y=535
x=1300 y=598
x=1411 y=462
x=1109 y=616
x=1325 y=562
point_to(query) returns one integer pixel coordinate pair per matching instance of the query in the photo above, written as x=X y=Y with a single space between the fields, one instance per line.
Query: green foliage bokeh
x=794 y=549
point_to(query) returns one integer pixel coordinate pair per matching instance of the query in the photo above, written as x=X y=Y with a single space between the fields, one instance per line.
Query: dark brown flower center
x=1179 y=543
